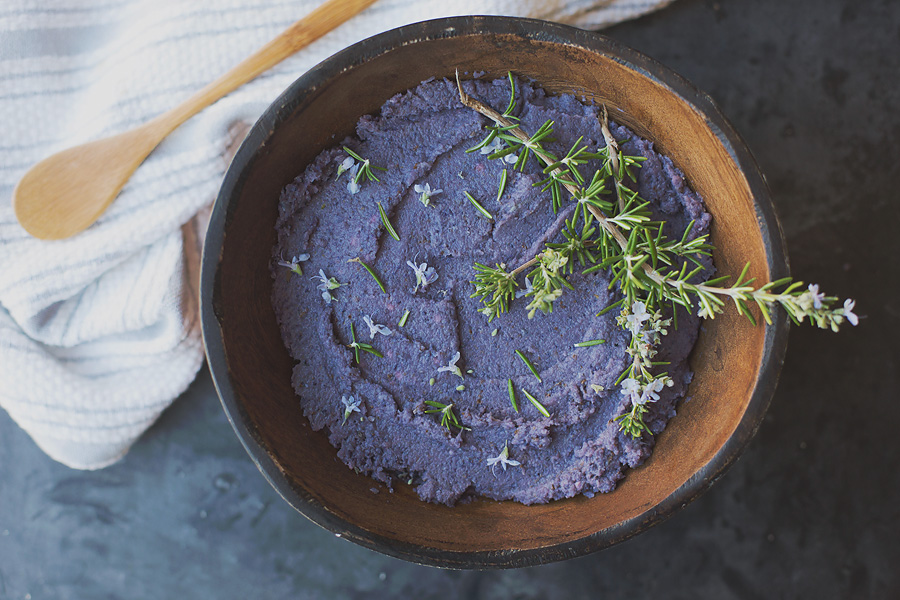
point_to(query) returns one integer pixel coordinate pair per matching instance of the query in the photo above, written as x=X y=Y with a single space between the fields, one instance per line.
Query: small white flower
x=348 y=164
x=652 y=389
x=376 y=328
x=326 y=285
x=631 y=386
x=294 y=264
x=529 y=288
x=703 y=313
x=496 y=145
x=816 y=296
x=502 y=459
x=848 y=312
x=632 y=389
x=424 y=275
x=451 y=366
x=350 y=406
x=639 y=394
x=352 y=185
x=425 y=193
x=637 y=317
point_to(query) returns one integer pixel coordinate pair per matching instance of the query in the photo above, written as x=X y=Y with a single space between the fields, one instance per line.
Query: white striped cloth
x=100 y=332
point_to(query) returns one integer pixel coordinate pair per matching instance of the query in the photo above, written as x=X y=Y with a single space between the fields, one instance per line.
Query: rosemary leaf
x=589 y=343
x=478 y=206
x=502 y=188
x=537 y=404
x=529 y=365
x=371 y=272
x=405 y=316
x=387 y=223
x=512 y=394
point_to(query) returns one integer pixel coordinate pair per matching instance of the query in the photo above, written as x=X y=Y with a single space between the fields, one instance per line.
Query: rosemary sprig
x=631 y=264
x=448 y=417
x=387 y=223
x=528 y=364
x=365 y=167
x=371 y=272
x=357 y=346
x=537 y=404
x=649 y=270
x=478 y=206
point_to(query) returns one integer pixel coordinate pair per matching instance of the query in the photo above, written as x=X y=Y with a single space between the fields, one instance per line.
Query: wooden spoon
x=66 y=192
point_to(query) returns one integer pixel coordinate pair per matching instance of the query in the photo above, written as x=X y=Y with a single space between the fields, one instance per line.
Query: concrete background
x=811 y=510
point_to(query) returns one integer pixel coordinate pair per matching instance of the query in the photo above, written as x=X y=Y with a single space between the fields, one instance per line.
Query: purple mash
x=420 y=137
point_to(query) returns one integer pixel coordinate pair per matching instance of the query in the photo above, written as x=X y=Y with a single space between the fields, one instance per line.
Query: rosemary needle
x=529 y=365
x=537 y=404
x=387 y=223
x=371 y=272
x=503 y=176
x=353 y=343
x=403 y=319
x=589 y=343
x=512 y=394
x=478 y=206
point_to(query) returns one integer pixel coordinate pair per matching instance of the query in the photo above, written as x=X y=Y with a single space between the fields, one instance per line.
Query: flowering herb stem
x=636 y=264
x=371 y=272
x=537 y=404
x=387 y=223
x=365 y=170
x=512 y=394
x=650 y=271
x=403 y=319
x=589 y=343
x=529 y=365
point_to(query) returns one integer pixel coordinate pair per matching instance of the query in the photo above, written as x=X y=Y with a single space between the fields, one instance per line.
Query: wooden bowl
x=736 y=364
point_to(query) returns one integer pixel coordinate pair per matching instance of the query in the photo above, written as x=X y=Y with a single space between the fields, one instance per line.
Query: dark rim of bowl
x=775 y=342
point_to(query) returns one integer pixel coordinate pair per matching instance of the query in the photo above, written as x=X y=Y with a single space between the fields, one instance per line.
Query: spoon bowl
x=65 y=193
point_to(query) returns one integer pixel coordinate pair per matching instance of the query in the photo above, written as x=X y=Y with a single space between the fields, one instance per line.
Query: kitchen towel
x=99 y=333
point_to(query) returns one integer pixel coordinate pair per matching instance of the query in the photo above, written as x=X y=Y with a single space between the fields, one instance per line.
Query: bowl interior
x=252 y=369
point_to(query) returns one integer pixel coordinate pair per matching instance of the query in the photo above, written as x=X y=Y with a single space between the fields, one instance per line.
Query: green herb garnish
x=618 y=234
x=478 y=206
x=371 y=272
x=365 y=167
x=448 y=418
x=512 y=394
x=589 y=343
x=357 y=346
x=529 y=365
x=405 y=316
x=387 y=224
x=537 y=404
x=502 y=188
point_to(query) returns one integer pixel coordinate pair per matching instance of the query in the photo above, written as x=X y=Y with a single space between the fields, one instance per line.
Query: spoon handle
x=317 y=23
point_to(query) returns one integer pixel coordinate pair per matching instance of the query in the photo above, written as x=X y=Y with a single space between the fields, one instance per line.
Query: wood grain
x=67 y=192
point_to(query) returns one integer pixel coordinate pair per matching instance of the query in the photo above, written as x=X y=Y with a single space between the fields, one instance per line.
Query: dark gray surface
x=812 y=509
